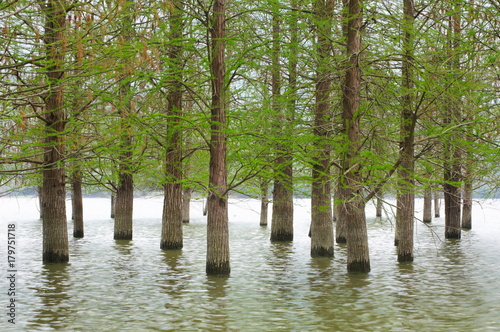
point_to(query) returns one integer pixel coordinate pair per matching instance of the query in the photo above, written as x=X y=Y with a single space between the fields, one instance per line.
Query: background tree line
x=352 y=99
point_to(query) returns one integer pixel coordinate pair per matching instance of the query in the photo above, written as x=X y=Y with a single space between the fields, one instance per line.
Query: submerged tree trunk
x=452 y=165
x=378 y=209
x=125 y=189
x=341 y=226
x=427 y=214
x=77 y=203
x=467 y=204
x=40 y=200
x=321 y=208
x=186 y=204
x=406 y=196
x=437 y=205
x=55 y=228
x=282 y=210
x=171 y=235
x=264 y=201
x=217 y=219
x=113 y=206
x=358 y=259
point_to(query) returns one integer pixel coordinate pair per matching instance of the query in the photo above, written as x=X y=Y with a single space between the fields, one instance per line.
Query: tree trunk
x=378 y=210
x=264 y=201
x=282 y=210
x=77 y=203
x=358 y=259
x=40 y=200
x=186 y=204
x=321 y=208
x=406 y=196
x=125 y=189
x=171 y=235
x=437 y=205
x=55 y=228
x=427 y=217
x=467 y=204
x=341 y=226
x=217 y=219
x=452 y=166
x=113 y=205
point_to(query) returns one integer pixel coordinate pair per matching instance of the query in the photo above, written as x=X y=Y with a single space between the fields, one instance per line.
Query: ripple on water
x=133 y=286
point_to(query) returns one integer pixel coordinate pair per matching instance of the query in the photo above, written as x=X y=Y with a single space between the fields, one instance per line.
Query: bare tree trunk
x=40 y=200
x=467 y=204
x=77 y=203
x=358 y=259
x=113 y=205
x=264 y=201
x=125 y=189
x=282 y=210
x=452 y=166
x=341 y=226
x=378 y=209
x=217 y=219
x=406 y=196
x=186 y=204
x=171 y=235
x=437 y=205
x=321 y=208
x=427 y=214
x=55 y=228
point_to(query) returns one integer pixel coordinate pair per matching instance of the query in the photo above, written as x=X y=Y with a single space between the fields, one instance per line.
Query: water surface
x=134 y=286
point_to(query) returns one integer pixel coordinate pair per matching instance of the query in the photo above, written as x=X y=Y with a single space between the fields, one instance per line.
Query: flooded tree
x=124 y=198
x=217 y=217
x=282 y=208
x=406 y=194
x=171 y=235
x=321 y=207
x=358 y=259
x=55 y=229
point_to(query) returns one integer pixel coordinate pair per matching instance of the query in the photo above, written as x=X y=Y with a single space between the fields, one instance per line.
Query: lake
x=134 y=286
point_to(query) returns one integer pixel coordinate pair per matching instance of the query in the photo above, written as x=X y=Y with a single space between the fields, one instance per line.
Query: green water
x=134 y=286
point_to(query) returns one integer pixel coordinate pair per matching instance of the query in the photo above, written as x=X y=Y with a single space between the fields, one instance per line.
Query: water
x=134 y=286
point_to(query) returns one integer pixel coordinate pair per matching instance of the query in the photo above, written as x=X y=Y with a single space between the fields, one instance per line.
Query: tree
x=358 y=259
x=282 y=209
x=172 y=206
x=124 y=198
x=321 y=209
x=406 y=196
x=55 y=229
x=217 y=218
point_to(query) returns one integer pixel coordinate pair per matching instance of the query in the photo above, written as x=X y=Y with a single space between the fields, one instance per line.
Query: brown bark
x=217 y=218
x=427 y=214
x=40 y=200
x=264 y=201
x=341 y=226
x=321 y=209
x=452 y=166
x=358 y=259
x=467 y=205
x=55 y=229
x=186 y=204
x=113 y=205
x=77 y=204
x=378 y=209
x=406 y=195
x=282 y=208
x=125 y=189
x=437 y=205
x=171 y=236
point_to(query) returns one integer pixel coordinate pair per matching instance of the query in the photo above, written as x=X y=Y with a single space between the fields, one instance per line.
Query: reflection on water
x=134 y=286
x=56 y=307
